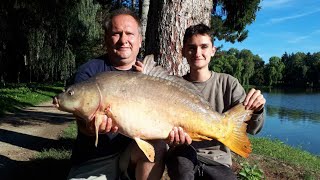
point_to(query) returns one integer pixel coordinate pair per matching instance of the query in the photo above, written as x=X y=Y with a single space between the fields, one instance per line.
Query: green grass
x=282 y=152
x=16 y=96
x=70 y=132
x=63 y=151
x=52 y=153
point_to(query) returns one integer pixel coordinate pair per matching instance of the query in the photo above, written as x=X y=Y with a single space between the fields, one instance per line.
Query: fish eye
x=70 y=92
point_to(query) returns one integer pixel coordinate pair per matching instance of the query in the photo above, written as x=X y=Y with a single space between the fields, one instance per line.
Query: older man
x=108 y=160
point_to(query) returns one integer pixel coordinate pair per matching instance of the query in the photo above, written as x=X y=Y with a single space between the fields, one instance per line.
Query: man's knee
x=181 y=162
x=183 y=151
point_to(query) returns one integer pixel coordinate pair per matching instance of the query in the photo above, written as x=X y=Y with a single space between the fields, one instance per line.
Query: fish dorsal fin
x=148 y=63
x=152 y=69
x=146 y=148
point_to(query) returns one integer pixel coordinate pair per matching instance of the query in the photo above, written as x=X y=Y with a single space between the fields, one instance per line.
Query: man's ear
x=214 y=49
x=140 y=41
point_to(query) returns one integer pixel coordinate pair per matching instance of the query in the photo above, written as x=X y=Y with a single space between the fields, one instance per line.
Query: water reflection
x=293 y=116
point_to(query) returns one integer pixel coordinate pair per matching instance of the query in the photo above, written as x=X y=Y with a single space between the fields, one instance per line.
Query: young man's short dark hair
x=196 y=29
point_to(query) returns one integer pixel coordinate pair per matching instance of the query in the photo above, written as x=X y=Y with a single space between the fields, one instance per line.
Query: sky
x=282 y=26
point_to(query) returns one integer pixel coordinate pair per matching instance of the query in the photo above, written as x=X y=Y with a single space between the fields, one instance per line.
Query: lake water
x=293 y=117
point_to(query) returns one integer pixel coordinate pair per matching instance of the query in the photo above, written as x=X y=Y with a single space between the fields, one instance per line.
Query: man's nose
x=123 y=38
x=198 y=52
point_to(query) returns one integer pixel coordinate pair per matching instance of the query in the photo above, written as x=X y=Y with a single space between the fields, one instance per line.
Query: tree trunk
x=133 y=4
x=144 y=20
x=167 y=22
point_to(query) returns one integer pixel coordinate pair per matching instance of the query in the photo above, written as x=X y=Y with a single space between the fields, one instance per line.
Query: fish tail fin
x=236 y=137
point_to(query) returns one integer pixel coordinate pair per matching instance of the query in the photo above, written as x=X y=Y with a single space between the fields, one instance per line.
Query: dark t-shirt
x=84 y=148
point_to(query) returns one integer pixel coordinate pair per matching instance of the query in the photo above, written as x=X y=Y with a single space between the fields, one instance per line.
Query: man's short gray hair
x=122 y=11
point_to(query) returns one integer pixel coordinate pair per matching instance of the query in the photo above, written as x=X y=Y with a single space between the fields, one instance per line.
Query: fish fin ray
x=146 y=148
x=236 y=137
x=97 y=122
x=198 y=137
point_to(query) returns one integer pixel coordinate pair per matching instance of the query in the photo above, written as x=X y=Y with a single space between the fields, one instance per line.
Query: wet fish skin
x=146 y=107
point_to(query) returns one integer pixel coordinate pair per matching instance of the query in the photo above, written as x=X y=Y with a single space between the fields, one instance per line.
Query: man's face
x=123 y=39
x=198 y=51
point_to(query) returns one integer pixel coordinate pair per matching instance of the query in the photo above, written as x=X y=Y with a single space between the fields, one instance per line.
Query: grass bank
x=16 y=96
x=280 y=161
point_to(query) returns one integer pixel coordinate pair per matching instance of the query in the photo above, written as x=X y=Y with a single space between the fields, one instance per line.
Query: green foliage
x=258 y=78
x=16 y=96
x=230 y=18
x=49 y=38
x=274 y=70
x=45 y=41
x=249 y=172
x=298 y=70
x=240 y=64
x=301 y=69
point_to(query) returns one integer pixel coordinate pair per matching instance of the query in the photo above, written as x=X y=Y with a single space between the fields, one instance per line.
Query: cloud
x=281 y=19
x=298 y=39
x=316 y=31
x=301 y=38
x=274 y=3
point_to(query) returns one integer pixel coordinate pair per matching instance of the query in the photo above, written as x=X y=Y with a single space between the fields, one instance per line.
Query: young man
x=209 y=159
x=115 y=152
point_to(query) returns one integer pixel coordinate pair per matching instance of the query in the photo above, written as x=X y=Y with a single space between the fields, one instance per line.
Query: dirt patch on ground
x=27 y=132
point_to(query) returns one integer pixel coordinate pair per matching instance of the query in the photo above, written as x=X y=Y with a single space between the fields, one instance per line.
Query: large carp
x=146 y=107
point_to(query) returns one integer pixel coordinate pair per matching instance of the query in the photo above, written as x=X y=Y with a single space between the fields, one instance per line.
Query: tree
x=167 y=21
x=144 y=19
x=230 y=18
x=258 y=77
x=246 y=57
x=221 y=63
x=46 y=38
x=274 y=70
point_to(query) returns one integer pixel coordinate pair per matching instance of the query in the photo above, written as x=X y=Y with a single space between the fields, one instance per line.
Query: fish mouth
x=55 y=102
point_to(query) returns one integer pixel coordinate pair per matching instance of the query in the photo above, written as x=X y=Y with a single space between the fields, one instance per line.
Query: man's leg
x=98 y=169
x=181 y=162
x=215 y=172
x=144 y=169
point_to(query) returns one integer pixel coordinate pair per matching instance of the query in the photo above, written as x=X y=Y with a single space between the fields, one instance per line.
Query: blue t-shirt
x=111 y=143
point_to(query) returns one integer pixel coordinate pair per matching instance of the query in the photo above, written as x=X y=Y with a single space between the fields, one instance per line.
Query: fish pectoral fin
x=198 y=137
x=97 y=121
x=146 y=148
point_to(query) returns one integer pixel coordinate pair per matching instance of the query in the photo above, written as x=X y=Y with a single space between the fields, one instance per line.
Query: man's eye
x=115 y=33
